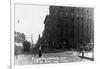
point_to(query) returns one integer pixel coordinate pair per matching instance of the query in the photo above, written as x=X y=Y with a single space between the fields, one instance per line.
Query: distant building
x=67 y=27
x=19 y=38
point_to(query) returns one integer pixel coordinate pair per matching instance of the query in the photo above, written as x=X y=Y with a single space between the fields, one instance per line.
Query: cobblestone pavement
x=63 y=57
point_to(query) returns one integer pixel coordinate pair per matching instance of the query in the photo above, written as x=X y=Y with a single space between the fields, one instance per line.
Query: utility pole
x=32 y=40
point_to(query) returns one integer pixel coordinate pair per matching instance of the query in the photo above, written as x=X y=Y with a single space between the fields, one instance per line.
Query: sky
x=29 y=19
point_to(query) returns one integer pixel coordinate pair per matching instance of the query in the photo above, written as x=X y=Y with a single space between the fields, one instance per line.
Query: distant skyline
x=29 y=19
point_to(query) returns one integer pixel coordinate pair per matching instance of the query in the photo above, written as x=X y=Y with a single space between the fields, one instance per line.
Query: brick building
x=67 y=27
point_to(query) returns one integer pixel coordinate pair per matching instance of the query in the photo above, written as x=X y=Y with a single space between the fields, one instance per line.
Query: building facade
x=68 y=27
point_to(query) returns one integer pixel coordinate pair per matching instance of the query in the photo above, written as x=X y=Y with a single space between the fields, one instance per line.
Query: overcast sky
x=29 y=19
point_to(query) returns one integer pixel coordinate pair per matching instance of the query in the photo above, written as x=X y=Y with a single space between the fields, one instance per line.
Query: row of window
x=69 y=26
x=72 y=9
x=77 y=15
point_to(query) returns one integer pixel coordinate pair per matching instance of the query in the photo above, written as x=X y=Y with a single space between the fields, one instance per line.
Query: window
x=72 y=14
x=82 y=10
x=87 y=10
x=58 y=26
x=82 y=16
x=66 y=25
x=77 y=16
x=90 y=17
x=61 y=7
x=61 y=13
x=77 y=9
x=66 y=14
x=72 y=10
x=87 y=16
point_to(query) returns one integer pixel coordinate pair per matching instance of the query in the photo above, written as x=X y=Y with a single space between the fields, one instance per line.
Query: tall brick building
x=67 y=27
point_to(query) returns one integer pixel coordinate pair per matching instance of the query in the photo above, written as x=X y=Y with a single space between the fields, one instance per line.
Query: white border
x=39 y=3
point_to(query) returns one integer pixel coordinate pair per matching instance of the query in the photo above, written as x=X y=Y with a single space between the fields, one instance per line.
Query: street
x=62 y=57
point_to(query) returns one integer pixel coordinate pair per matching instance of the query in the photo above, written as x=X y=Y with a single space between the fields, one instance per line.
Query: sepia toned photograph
x=45 y=34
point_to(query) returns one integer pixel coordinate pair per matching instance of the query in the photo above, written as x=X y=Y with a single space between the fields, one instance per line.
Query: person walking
x=40 y=52
x=83 y=51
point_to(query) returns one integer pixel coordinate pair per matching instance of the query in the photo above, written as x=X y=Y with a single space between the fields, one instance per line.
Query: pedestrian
x=40 y=52
x=83 y=53
x=16 y=52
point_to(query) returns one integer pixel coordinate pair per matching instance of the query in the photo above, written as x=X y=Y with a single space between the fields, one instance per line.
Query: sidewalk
x=87 y=55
